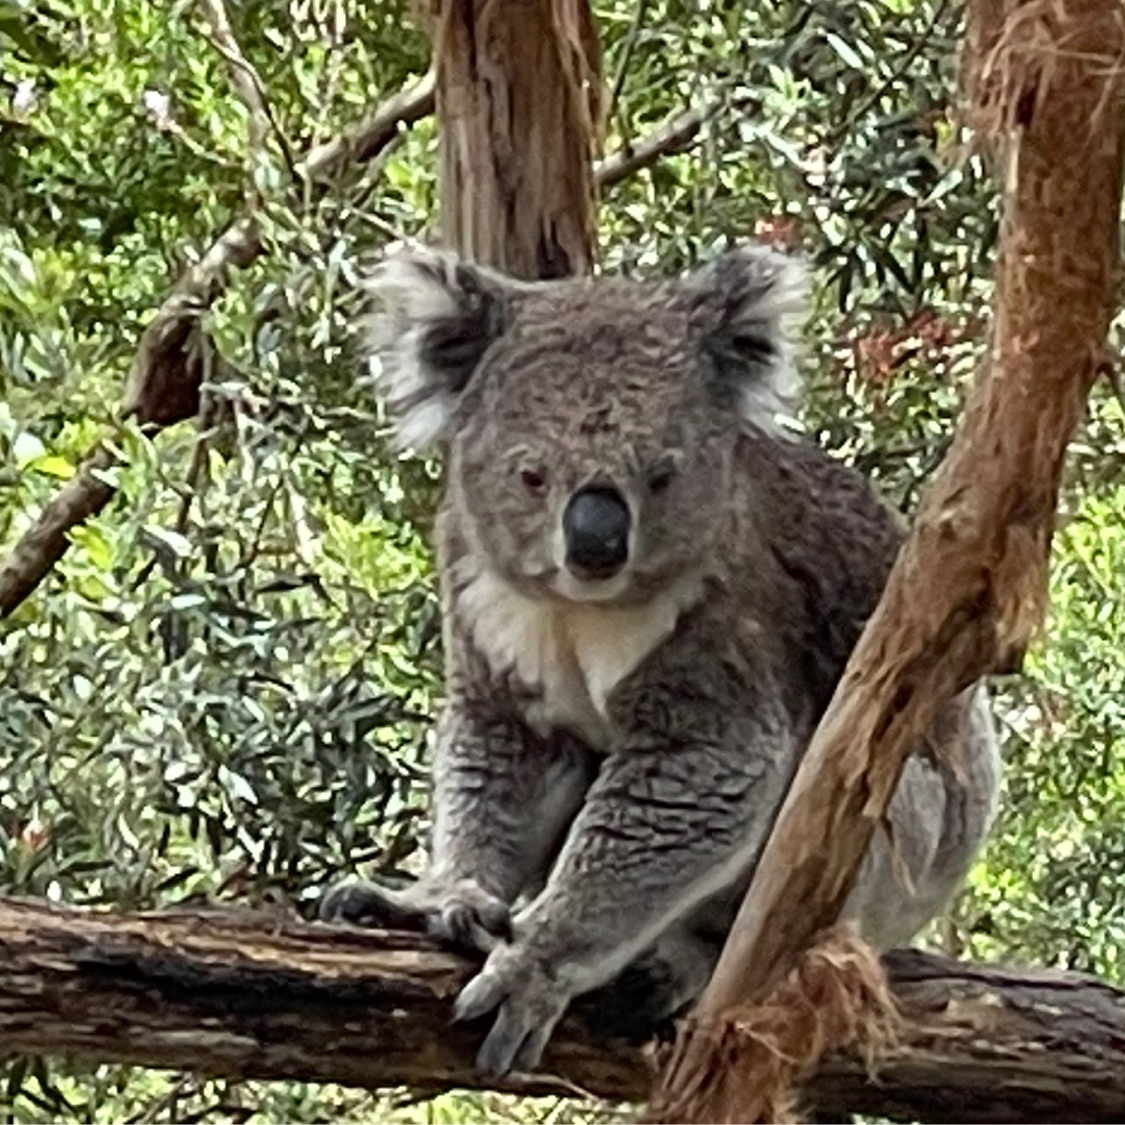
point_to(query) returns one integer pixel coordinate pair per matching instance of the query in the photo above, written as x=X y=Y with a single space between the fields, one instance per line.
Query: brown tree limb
x=519 y=102
x=46 y=541
x=254 y=995
x=165 y=379
x=969 y=587
x=167 y=372
x=677 y=133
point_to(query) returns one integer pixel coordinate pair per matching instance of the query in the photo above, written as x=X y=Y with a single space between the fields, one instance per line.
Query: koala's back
x=828 y=541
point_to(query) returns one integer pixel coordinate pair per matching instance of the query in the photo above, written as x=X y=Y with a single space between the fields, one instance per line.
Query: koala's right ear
x=435 y=317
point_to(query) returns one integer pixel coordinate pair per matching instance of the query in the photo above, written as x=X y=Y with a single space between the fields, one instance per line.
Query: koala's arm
x=677 y=813
x=502 y=797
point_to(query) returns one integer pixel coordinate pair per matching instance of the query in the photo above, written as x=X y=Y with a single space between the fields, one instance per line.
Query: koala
x=650 y=588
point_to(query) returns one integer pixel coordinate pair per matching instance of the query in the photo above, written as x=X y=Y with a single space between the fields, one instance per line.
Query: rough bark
x=969 y=587
x=519 y=101
x=253 y=995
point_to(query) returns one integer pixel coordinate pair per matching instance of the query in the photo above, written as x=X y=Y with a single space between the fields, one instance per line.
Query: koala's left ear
x=436 y=315
x=746 y=306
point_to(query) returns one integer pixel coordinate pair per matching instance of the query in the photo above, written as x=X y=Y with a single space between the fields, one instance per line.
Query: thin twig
x=919 y=42
x=627 y=49
x=248 y=85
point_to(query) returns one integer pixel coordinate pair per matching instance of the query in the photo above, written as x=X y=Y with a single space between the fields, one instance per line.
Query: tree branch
x=367 y=140
x=969 y=587
x=677 y=133
x=254 y=995
x=167 y=372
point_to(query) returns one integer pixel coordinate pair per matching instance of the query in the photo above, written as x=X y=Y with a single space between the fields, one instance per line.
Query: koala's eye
x=534 y=480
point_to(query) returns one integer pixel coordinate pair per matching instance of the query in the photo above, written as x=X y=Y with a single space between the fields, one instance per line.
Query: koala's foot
x=529 y=998
x=459 y=913
x=644 y=1000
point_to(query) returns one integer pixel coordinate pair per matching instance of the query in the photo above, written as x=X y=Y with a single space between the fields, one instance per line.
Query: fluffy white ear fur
x=435 y=317
x=753 y=301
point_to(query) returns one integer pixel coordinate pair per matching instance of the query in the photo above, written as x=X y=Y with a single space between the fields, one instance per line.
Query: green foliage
x=1053 y=891
x=224 y=688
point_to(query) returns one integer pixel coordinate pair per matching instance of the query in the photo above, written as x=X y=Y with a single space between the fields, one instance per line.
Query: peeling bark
x=969 y=587
x=519 y=102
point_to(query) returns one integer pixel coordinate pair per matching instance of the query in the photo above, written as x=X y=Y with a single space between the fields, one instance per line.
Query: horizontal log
x=246 y=994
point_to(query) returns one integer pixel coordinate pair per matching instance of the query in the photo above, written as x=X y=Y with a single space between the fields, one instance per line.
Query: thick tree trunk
x=247 y=995
x=519 y=104
x=969 y=587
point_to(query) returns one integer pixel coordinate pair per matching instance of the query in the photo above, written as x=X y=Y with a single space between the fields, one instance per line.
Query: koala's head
x=590 y=424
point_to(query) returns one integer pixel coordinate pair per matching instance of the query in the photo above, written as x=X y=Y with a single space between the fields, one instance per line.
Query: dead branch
x=247 y=994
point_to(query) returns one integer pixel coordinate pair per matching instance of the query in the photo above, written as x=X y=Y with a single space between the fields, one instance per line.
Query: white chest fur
x=570 y=655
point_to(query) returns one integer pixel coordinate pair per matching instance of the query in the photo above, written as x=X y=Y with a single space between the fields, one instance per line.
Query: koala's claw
x=363 y=903
x=529 y=1003
x=473 y=925
x=483 y=993
x=461 y=913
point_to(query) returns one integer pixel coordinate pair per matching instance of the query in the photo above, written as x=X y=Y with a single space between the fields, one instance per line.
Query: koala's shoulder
x=819 y=504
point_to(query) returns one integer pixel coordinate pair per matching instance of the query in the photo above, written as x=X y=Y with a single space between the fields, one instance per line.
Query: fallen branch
x=251 y=995
x=166 y=376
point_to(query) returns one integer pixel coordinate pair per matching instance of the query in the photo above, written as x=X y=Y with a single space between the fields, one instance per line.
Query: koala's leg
x=939 y=818
x=501 y=802
x=664 y=826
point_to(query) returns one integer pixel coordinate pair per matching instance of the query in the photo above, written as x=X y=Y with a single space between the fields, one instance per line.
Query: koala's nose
x=596 y=529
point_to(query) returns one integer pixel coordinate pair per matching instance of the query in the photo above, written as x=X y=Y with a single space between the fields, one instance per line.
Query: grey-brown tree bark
x=250 y=995
x=519 y=93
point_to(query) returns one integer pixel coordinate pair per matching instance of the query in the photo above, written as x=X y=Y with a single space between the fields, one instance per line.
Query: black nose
x=596 y=528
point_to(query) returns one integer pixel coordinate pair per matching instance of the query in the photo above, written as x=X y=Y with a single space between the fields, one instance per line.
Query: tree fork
x=245 y=994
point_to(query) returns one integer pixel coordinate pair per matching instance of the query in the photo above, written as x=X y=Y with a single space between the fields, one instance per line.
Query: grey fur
x=613 y=752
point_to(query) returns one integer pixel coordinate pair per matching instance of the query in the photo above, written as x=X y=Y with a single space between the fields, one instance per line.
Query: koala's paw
x=468 y=917
x=459 y=913
x=530 y=1002
x=363 y=903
